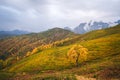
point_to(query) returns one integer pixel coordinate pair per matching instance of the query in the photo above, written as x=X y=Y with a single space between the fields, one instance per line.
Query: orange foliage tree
x=77 y=54
x=28 y=53
x=35 y=50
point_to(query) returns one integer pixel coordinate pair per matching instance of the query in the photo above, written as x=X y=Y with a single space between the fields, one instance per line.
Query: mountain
x=67 y=28
x=4 y=34
x=50 y=60
x=93 y=25
x=20 y=45
x=80 y=29
x=118 y=22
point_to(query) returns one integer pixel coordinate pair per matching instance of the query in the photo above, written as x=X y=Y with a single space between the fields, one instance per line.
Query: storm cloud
x=39 y=15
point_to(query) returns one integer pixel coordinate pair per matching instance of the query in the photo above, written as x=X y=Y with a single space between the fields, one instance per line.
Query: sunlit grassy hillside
x=103 y=60
x=16 y=48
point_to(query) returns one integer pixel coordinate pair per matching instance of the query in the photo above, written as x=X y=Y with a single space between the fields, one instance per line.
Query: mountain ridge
x=20 y=45
x=5 y=34
x=92 y=25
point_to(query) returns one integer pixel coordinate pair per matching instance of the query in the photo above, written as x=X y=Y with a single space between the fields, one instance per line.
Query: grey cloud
x=39 y=15
x=7 y=17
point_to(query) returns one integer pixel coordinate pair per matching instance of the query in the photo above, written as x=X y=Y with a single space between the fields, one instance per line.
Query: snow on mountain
x=112 y=24
x=93 y=25
x=80 y=29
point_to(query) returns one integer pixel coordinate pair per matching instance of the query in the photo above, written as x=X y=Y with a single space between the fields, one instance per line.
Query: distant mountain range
x=92 y=25
x=67 y=28
x=4 y=34
x=80 y=29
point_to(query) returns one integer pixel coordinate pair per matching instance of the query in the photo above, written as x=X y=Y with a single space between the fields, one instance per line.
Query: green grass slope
x=100 y=33
x=103 y=60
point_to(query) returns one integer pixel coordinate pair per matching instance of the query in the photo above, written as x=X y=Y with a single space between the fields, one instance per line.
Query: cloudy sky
x=39 y=15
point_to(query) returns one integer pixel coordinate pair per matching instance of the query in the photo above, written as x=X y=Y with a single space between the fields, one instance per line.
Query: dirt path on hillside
x=83 y=78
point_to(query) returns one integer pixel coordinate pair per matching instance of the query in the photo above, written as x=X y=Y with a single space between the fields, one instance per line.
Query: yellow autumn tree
x=35 y=50
x=17 y=58
x=28 y=53
x=77 y=54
